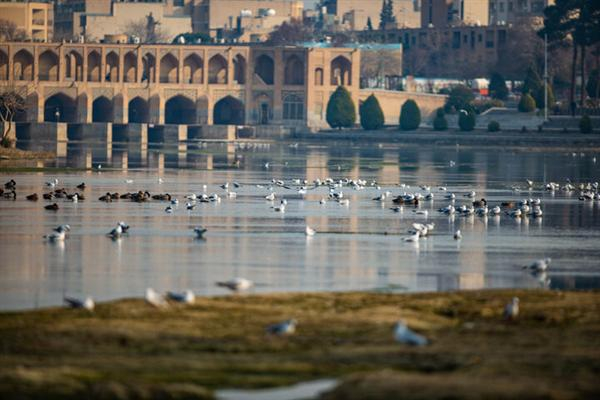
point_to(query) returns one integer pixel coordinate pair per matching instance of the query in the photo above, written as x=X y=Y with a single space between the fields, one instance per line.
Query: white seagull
x=457 y=235
x=539 y=265
x=154 y=298
x=309 y=231
x=511 y=310
x=186 y=297
x=403 y=334
x=87 y=304
x=237 y=284
x=283 y=328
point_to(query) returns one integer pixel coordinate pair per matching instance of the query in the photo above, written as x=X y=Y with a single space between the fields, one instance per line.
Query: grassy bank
x=127 y=349
x=10 y=153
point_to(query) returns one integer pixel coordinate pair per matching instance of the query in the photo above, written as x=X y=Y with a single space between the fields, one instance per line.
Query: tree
x=190 y=37
x=386 y=16
x=532 y=81
x=378 y=64
x=148 y=31
x=10 y=33
x=371 y=115
x=527 y=103
x=439 y=122
x=13 y=100
x=460 y=97
x=290 y=33
x=497 y=88
x=369 y=24
x=593 y=85
x=410 y=116
x=539 y=98
x=340 y=109
x=466 y=119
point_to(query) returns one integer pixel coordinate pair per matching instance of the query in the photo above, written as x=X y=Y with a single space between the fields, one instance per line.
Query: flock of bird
x=335 y=193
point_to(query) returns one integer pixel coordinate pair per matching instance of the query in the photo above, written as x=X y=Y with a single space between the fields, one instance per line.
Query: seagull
x=280 y=208
x=161 y=180
x=52 y=183
x=403 y=334
x=322 y=201
x=186 y=297
x=511 y=310
x=529 y=182
x=58 y=234
x=496 y=210
x=72 y=302
x=169 y=209
x=124 y=226
x=190 y=206
x=128 y=180
x=200 y=231
x=270 y=196
x=457 y=235
x=116 y=232
x=344 y=202
x=225 y=186
x=540 y=265
x=237 y=284
x=283 y=328
x=309 y=231
x=413 y=238
x=154 y=298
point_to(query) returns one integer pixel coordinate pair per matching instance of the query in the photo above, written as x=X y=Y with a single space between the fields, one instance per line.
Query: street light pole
x=545 y=77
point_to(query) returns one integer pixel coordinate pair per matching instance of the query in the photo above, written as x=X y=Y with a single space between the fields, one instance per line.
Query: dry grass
x=9 y=153
x=127 y=349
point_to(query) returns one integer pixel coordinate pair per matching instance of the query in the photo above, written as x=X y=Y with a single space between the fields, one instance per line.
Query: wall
x=36 y=19
x=357 y=13
x=391 y=103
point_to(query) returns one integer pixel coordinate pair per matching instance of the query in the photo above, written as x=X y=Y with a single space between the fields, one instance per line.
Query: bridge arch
x=93 y=67
x=217 y=70
x=138 y=111
x=102 y=110
x=193 y=69
x=130 y=67
x=60 y=108
x=48 y=66
x=341 y=71
x=180 y=110
x=264 y=69
x=229 y=111
x=294 y=71
x=169 y=68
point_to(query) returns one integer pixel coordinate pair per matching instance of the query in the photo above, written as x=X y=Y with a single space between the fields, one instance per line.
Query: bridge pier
x=169 y=134
x=94 y=132
x=42 y=132
x=133 y=133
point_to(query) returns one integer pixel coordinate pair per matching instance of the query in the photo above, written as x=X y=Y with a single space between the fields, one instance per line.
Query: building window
x=319 y=77
x=293 y=108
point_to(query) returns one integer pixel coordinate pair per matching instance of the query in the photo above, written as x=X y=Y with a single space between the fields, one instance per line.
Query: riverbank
x=128 y=349
x=10 y=153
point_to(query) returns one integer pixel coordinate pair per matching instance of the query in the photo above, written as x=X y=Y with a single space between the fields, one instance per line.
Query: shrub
x=527 y=103
x=410 y=116
x=371 y=115
x=497 y=88
x=538 y=96
x=340 y=109
x=439 y=122
x=459 y=98
x=585 y=124
x=466 y=120
x=493 y=126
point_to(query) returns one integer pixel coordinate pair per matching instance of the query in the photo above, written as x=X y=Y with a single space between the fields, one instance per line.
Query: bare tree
x=147 y=31
x=377 y=64
x=10 y=33
x=292 y=32
x=13 y=100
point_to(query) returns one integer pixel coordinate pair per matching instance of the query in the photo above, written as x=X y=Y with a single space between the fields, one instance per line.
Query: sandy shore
x=128 y=349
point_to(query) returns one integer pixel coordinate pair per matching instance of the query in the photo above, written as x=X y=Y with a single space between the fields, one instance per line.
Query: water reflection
x=357 y=247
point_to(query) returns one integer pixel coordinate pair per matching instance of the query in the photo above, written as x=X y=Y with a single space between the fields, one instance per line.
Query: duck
x=200 y=231
x=10 y=195
x=162 y=197
x=48 y=196
x=52 y=207
x=106 y=198
x=169 y=209
x=10 y=184
x=480 y=203
x=81 y=186
x=32 y=197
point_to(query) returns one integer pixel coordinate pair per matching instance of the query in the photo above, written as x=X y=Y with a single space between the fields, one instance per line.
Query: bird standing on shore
x=87 y=304
x=511 y=310
x=186 y=297
x=154 y=298
x=539 y=265
x=283 y=328
x=236 y=284
x=403 y=334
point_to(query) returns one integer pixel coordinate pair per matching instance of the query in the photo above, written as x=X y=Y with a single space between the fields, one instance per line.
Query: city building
x=455 y=52
x=179 y=84
x=443 y=13
x=33 y=18
x=354 y=14
x=95 y=19
x=214 y=16
x=513 y=11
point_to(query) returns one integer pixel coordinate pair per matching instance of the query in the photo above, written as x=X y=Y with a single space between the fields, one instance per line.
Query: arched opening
x=319 y=77
x=130 y=67
x=229 y=111
x=293 y=108
x=217 y=70
x=294 y=71
x=193 y=69
x=60 y=108
x=168 y=69
x=149 y=65
x=74 y=66
x=23 y=66
x=93 y=67
x=180 y=110
x=138 y=111
x=48 y=66
x=239 y=70
x=264 y=70
x=112 y=67
x=264 y=109
x=341 y=71
x=3 y=66
x=102 y=110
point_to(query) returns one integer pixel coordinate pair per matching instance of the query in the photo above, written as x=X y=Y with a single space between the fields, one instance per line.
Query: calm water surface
x=358 y=247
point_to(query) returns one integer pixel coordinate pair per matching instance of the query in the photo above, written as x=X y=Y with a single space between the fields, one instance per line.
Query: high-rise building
x=443 y=13
x=33 y=18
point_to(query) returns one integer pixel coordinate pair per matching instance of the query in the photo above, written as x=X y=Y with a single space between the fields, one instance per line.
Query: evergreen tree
x=532 y=82
x=593 y=85
x=466 y=119
x=527 y=103
x=386 y=16
x=439 y=122
x=340 y=109
x=459 y=98
x=497 y=88
x=369 y=24
x=410 y=116
x=371 y=115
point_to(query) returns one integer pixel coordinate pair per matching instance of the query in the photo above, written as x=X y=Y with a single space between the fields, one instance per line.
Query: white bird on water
x=154 y=298
x=511 y=310
x=403 y=334
x=186 y=297
x=237 y=284
x=87 y=303
x=309 y=231
x=457 y=235
x=116 y=233
x=413 y=238
x=539 y=265
x=283 y=328
x=58 y=234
